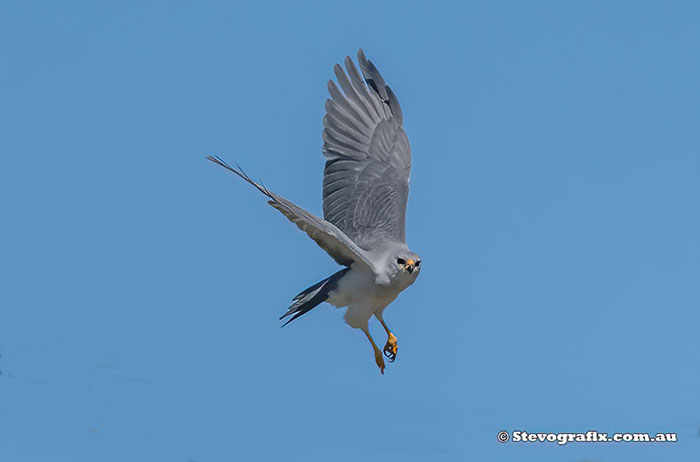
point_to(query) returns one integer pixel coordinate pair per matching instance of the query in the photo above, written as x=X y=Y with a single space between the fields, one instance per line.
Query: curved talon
x=389 y=353
x=391 y=348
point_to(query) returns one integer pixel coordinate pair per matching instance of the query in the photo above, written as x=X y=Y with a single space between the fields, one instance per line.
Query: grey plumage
x=365 y=184
x=313 y=296
x=365 y=191
x=339 y=246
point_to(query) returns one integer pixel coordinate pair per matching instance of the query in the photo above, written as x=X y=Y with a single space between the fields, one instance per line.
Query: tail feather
x=313 y=296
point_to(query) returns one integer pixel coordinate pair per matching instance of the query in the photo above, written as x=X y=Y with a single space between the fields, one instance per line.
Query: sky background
x=554 y=201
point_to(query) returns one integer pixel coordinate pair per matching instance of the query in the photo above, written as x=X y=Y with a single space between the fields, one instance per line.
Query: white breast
x=356 y=286
x=359 y=286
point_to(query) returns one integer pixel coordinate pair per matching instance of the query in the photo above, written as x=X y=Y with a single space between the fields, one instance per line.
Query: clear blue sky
x=554 y=200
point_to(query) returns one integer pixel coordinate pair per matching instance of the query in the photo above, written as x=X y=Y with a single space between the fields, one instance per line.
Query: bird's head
x=407 y=263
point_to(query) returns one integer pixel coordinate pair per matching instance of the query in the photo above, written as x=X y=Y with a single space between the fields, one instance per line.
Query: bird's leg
x=377 y=354
x=391 y=347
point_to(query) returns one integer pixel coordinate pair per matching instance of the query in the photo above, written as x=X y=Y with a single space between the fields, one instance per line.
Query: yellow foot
x=380 y=361
x=391 y=348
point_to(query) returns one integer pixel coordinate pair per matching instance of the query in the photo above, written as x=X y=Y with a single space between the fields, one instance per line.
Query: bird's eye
x=400 y=261
x=417 y=263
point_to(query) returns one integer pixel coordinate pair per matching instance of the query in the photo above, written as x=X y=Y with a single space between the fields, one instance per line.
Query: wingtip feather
x=361 y=55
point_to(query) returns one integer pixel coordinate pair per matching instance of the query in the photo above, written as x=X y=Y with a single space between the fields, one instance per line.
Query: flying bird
x=365 y=190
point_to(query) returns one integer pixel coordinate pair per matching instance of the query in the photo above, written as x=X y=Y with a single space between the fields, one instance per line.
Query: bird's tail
x=313 y=296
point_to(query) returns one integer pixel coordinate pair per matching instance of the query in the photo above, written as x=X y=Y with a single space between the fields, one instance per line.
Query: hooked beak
x=410 y=266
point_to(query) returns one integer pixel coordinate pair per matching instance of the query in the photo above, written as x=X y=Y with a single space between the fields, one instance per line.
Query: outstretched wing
x=339 y=246
x=365 y=183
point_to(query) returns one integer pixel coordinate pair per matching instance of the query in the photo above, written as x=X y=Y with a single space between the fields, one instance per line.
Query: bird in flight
x=365 y=190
